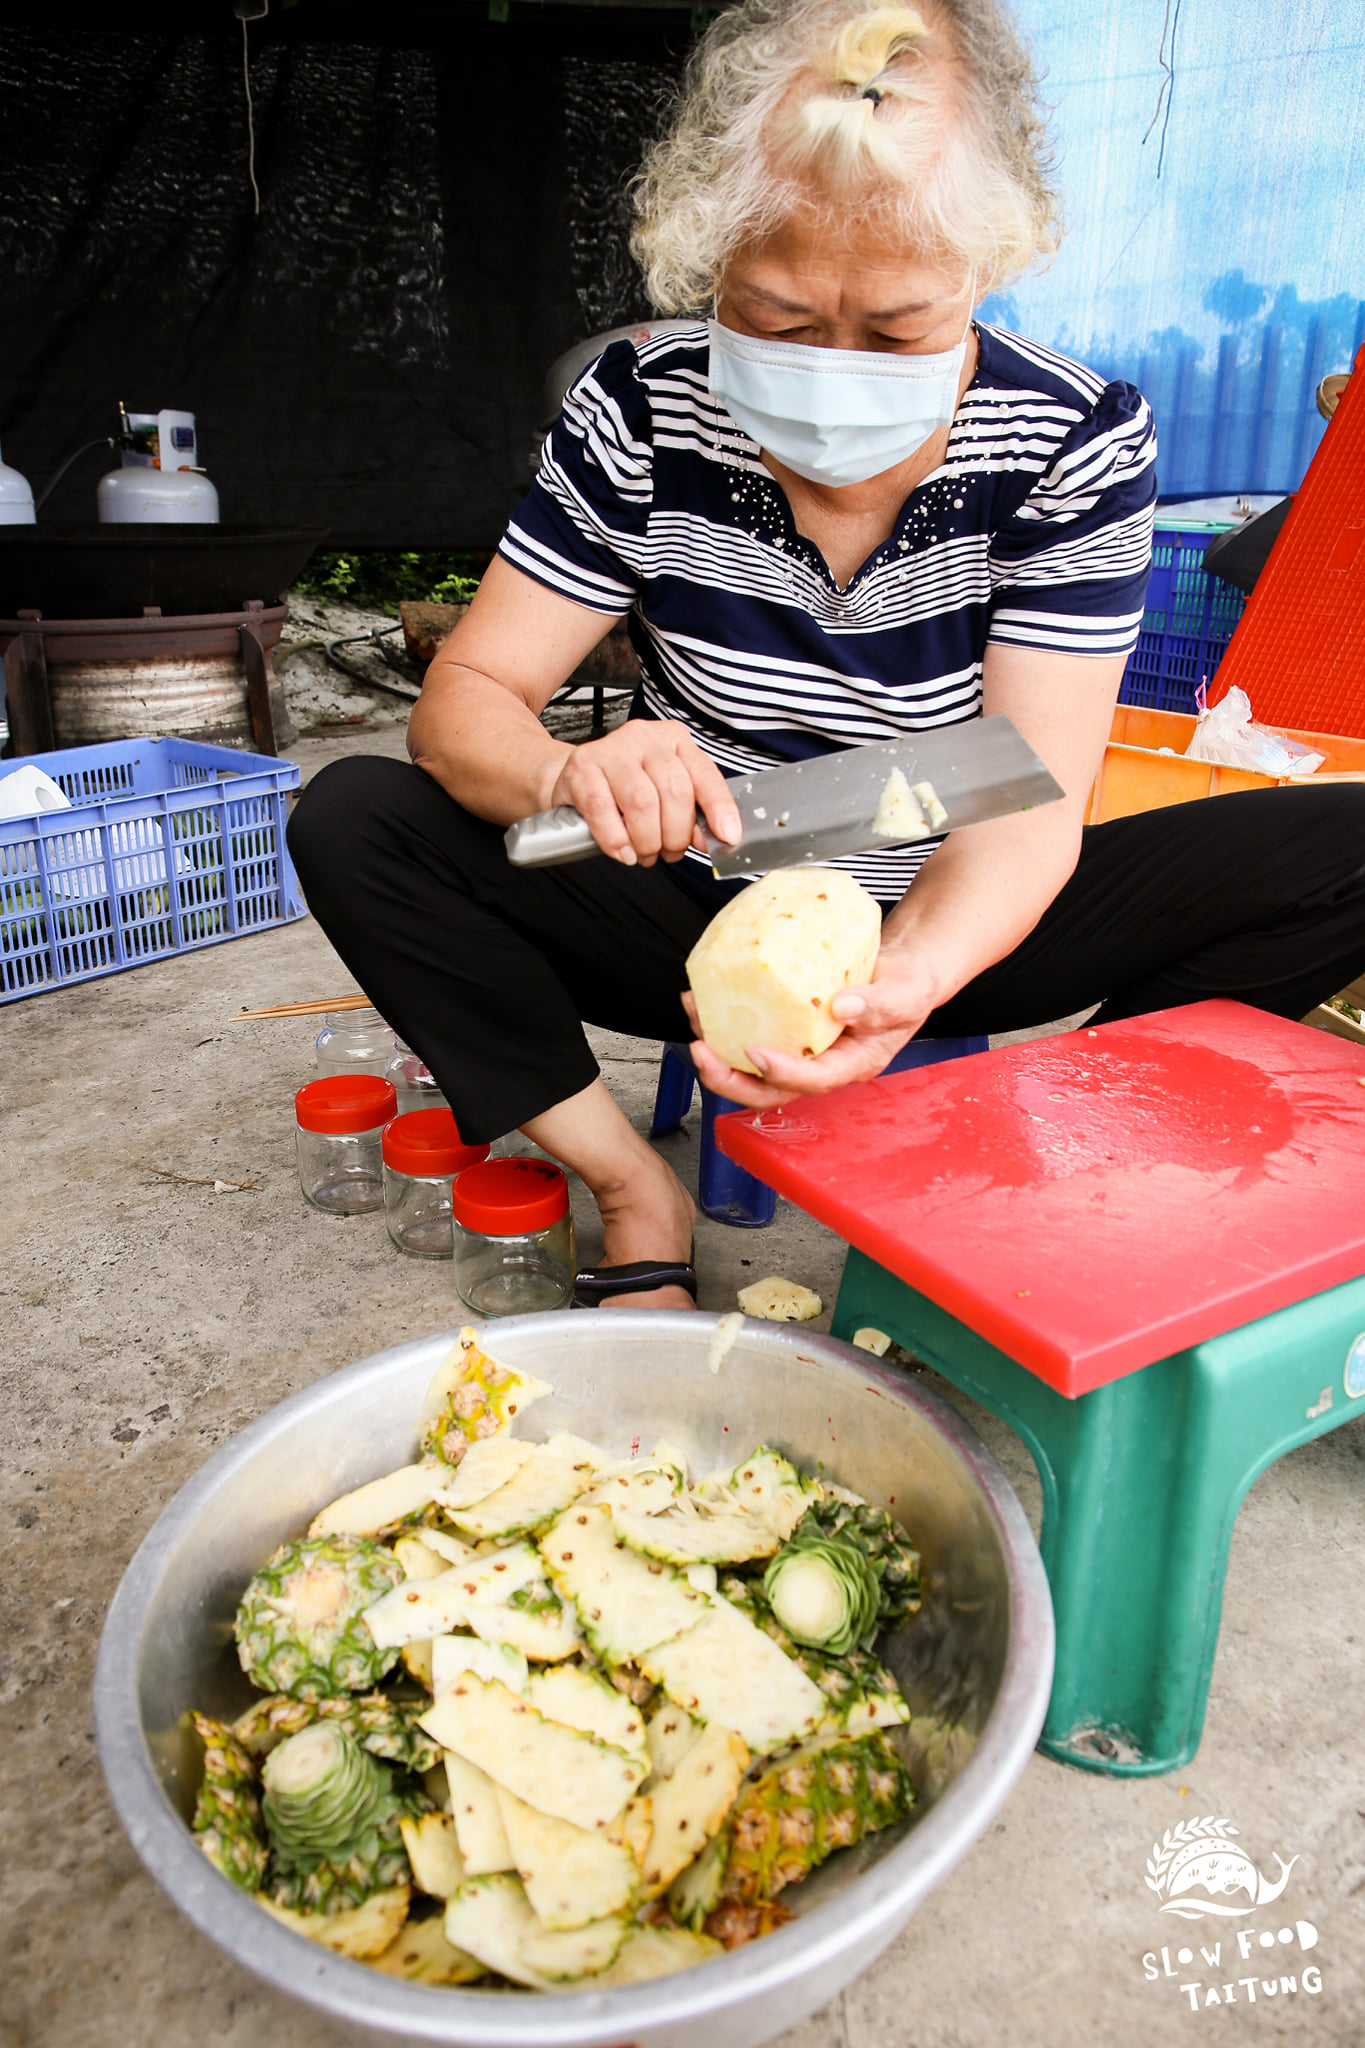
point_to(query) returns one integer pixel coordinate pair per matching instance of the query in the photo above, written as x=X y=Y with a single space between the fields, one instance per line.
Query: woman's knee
x=344 y=808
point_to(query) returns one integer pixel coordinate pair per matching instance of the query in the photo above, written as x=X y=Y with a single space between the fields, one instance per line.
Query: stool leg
x=1141 y=1481
x=725 y=1191
x=673 y=1096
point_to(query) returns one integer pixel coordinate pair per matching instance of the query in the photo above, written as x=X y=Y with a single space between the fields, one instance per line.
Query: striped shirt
x=1035 y=531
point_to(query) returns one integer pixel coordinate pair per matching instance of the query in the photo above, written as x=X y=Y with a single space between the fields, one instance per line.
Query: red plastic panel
x=1299 y=649
x=1095 y=1201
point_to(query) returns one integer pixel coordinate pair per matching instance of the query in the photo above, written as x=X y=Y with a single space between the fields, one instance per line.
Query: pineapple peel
x=620 y=1721
x=472 y=1396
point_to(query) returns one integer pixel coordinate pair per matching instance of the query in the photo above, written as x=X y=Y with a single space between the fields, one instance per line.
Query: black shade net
x=441 y=215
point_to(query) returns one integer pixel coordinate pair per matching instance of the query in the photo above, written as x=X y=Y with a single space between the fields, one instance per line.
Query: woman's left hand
x=878 y=1020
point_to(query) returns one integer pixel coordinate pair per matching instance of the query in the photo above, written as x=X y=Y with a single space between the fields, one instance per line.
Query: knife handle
x=550 y=839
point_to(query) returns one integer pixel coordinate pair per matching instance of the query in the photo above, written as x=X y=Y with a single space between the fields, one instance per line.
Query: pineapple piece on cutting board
x=768 y=966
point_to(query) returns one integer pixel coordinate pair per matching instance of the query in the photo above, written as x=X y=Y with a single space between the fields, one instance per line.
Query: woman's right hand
x=640 y=789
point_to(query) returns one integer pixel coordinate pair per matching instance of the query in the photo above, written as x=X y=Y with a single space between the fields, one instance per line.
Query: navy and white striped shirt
x=1035 y=531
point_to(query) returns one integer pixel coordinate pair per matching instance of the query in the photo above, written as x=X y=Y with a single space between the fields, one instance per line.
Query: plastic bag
x=1229 y=736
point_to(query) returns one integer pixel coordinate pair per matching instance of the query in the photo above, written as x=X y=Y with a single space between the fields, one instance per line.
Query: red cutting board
x=1095 y=1201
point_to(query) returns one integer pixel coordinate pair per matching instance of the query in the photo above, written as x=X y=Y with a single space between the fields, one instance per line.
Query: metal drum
x=183 y=676
x=975 y=1663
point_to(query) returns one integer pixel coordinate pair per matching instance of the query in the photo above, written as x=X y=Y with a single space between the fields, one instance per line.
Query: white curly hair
x=926 y=119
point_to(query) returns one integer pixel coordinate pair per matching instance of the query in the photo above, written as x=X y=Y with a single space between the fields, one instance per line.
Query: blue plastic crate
x=1186 y=626
x=169 y=845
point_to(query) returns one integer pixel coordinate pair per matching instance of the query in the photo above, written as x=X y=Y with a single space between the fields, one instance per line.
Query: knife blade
x=807 y=812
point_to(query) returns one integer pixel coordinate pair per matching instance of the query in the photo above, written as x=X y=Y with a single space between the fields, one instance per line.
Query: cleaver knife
x=807 y=812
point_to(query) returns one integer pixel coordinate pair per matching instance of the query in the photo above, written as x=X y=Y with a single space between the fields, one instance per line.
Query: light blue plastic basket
x=169 y=845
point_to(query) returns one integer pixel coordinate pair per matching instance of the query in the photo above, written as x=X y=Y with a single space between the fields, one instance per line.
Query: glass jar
x=338 y=1141
x=355 y=1042
x=423 y=1151
x=415 y=1084
x=513 y=1237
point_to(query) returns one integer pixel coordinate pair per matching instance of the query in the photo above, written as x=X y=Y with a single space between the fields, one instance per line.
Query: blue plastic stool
x=725 y=1191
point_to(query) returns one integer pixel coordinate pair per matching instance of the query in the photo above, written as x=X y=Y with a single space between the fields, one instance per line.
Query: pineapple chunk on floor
x=358 y=1931
x=690 y=1807
x=779 y=1301
x=572 y=1876
x=568 y=1957
x=383 y=1503
x=696 y=1539
x=651 y=1952
x=557 y=1770
x=797 y=1809
x=727 y=1670
x=626 y=1603
x=478 y=1818
x=550 y=1479
x=670 y=1732
x=434 y=1852
x=582 y=1700
x=422 y=1955
x=489 y=1918
x=472 y=1396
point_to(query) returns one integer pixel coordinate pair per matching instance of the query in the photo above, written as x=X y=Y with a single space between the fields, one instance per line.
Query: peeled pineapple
x=768 y=966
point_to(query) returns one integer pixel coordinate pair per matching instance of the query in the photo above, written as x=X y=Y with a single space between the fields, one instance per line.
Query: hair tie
x=870 y=92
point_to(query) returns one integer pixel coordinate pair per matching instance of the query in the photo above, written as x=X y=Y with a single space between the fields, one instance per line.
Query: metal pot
x=975 y=1663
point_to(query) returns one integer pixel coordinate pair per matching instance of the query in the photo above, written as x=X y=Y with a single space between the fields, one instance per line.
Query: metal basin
x=975 y=1663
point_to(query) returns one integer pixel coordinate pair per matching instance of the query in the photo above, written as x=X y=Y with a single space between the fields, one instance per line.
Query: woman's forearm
x=980 y=894
x=483 y=744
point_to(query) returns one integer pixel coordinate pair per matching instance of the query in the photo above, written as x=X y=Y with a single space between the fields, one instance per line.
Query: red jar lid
x=341 y=1103
x=426 y=1142
x=508 y=1197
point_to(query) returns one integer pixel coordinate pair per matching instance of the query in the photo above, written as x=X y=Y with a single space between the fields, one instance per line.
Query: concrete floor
x=148 y=1318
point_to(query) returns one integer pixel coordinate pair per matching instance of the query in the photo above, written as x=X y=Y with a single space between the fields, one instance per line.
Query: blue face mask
x=834 y=415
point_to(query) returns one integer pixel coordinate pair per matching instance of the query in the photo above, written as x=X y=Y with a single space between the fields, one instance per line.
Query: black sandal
x=645 y=1276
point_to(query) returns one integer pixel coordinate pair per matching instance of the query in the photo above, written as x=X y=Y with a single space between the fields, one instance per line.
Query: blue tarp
x=1215 y=253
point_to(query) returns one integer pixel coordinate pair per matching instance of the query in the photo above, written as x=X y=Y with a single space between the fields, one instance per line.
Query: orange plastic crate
x=1137 y=776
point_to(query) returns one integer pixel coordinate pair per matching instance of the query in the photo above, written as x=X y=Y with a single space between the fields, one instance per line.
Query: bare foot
x=648 y=1215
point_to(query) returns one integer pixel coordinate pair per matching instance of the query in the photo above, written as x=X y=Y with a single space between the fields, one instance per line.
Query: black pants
x=488 y=971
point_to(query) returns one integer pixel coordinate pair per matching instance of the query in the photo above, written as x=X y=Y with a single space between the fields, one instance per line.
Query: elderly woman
x=835 y=509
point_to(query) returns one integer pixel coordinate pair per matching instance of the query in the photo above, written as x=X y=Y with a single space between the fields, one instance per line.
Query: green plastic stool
x=1138 y=1246
x=1142 y=1480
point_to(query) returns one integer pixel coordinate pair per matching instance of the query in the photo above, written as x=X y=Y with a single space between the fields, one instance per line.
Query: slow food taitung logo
x=1198 y=1872
x=1198 y=1858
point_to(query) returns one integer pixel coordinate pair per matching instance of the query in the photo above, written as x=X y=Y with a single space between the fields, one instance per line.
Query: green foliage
x=378 y=579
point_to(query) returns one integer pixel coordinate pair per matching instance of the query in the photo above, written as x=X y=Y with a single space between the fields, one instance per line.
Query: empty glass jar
x=355 y=1042
x=338 y=1141
x=513 y=1237
x=414 y=1084
x=423 y=1151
